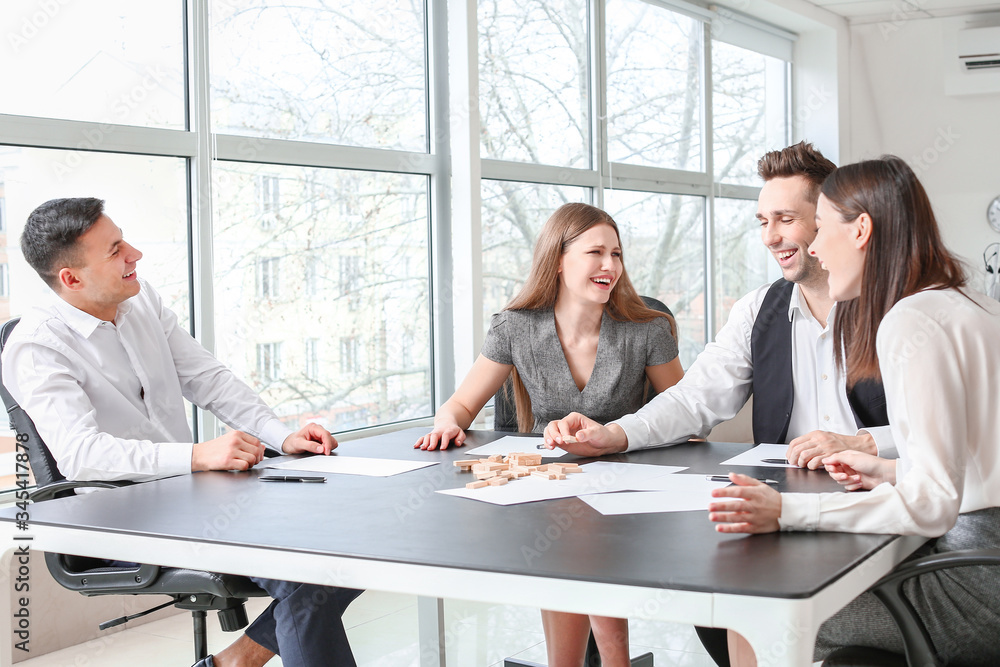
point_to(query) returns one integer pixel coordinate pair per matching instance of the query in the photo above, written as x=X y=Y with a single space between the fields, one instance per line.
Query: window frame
x=451 y=163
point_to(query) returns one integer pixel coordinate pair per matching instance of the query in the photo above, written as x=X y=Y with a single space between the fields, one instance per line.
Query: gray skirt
x=959 y=606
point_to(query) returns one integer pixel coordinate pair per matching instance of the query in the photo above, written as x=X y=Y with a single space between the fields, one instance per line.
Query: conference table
x=397 y=534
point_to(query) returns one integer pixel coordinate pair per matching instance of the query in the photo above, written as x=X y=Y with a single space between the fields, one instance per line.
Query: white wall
x=898 y=105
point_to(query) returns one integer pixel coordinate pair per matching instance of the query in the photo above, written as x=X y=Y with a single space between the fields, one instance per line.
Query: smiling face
x=840 y=248
x=787 y=227
x=106 y=274
x=591 y=265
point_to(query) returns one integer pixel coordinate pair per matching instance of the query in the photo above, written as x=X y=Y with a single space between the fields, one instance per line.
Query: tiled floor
x=383 y=632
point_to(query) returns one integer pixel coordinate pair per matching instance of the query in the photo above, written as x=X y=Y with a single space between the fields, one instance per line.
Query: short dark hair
x=802 y=159
x=50 y=234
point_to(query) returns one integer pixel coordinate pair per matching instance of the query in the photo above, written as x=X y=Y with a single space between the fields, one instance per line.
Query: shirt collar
x=797 y=302
x=84 y=323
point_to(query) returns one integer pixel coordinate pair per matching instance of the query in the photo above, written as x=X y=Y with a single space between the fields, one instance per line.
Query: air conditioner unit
x=979 y=48
x=972 y=49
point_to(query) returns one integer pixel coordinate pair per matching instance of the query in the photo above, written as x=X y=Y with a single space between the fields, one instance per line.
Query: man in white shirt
x=776 y=345
x=103 y=370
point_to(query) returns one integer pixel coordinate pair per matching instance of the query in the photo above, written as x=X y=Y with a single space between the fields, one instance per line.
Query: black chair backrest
x=504 y=410
x=39 y=458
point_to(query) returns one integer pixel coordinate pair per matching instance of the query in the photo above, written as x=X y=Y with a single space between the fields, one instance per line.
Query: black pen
x=725 y=478
x=778 y=461
x=291 y=478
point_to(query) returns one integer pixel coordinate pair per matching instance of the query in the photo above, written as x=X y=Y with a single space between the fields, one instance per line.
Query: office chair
x=916 y=642
x=192 y=590
x=504 y=412
x=505 y=419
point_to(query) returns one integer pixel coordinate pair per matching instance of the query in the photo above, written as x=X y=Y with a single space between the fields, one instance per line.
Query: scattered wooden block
x=497 y=470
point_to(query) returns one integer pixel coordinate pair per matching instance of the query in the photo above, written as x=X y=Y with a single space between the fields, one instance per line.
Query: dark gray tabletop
x=401 y=519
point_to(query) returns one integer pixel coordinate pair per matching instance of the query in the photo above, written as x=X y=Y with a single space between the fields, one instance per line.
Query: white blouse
x=939 y=352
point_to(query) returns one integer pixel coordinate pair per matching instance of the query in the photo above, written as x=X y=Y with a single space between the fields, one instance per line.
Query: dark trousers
x=303 y=624
x=715 y=641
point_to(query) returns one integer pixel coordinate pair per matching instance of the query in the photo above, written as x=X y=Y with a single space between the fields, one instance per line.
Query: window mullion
x=200 y=194
x=599 y=98
x=466 y=170
x=709 y=162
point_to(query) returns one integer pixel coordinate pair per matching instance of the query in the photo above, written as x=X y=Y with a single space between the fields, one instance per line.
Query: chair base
x=644 y=660
x=861 y=656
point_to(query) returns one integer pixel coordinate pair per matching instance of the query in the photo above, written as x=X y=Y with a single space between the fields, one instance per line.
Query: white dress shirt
x=720 y=380
x=939 y=356
x=107 y=398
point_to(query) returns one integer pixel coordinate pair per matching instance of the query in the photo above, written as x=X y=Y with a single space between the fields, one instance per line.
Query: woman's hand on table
x=857 y=471
x=751 y=506
x=441 y=436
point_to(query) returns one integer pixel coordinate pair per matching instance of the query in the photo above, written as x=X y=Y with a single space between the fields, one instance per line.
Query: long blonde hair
x=542 y=286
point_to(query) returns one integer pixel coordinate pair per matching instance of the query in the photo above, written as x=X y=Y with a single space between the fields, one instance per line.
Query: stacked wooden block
x=497 y=470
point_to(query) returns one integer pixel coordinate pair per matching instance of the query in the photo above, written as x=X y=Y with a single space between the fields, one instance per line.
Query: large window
x=350 y=72
x=365 y=230
x=654 y=65
x=289 y=169
x=672 y=144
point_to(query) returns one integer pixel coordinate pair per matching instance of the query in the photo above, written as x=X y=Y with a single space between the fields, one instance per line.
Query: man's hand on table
x=807 y=451
x=751 y=507
x=310 y=439
x=235 y=450
x=583 y=436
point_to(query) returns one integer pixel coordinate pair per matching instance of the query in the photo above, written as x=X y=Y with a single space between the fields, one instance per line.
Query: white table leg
x=430 y=621
x=779 y=637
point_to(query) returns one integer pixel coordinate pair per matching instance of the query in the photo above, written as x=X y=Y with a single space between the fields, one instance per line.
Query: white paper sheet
x=680 y=493
x=350 y=465
x=510 y=444
x=755 y=456
x=598 y=477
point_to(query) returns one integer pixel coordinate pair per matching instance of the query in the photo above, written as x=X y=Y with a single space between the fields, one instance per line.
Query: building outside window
x=268 y=200
x=311 y=366
x=269 y=361
x=349 y=355
x=268 y=277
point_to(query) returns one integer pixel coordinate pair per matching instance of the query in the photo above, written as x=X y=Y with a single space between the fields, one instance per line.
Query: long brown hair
x=542 y=286
x=905 y=253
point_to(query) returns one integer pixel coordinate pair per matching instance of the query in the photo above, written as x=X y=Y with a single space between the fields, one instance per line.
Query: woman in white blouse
x=936 y=346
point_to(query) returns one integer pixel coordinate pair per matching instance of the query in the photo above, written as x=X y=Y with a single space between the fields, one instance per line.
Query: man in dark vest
x=777 y=345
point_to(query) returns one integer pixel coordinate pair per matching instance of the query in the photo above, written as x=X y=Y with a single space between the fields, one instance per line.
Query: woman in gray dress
x=933 y=343
x=577 y=337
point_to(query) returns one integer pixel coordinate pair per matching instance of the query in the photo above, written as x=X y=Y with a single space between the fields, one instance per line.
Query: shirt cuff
x=636 y=430
x=799 y=511
x=274 y=433
x=173 y=458
x=885 y=445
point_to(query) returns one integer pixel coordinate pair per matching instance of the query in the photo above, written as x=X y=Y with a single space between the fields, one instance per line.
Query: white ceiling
x=870 y=11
